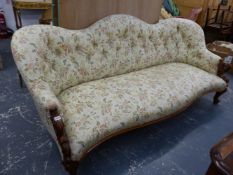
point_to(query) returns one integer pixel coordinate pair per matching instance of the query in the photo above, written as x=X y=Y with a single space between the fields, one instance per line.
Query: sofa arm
x=50 y=107
x=206 y=60
x=45 y=100
x=195 y=52
x=43 y=95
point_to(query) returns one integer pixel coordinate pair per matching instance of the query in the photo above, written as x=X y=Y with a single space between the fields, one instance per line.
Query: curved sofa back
x=115 y=45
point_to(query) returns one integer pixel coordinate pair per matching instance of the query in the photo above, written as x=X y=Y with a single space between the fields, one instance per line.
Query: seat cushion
x=97 y=109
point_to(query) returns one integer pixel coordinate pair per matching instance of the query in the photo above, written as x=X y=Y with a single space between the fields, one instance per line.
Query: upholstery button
x=189 y=45
x=104 y=52
x=94 y=44
x=125 y=33
x=118 y=48
x=78 y=47
x=150 y=37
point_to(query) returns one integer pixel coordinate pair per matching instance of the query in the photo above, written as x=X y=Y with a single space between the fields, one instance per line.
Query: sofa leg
x=222 y=68
x=59 y=128
x=20 y=80
x=71 y=167
x=217 y=95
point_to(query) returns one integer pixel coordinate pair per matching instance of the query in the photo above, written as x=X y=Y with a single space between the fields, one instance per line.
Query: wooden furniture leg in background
x=18 y=20
x=18 y=23
x=222 y=157
x=1 y=63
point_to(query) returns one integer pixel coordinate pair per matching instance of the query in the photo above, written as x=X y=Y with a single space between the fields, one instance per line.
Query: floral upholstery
x=56 y=64
x=115 y=45
x=99 y=108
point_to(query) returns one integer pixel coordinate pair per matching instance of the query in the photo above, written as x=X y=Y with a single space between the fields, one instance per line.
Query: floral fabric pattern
x=120 y=53
x=115 y=45
x=96 y=109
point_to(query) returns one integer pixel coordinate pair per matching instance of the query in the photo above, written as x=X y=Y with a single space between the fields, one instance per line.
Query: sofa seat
x=97 y=109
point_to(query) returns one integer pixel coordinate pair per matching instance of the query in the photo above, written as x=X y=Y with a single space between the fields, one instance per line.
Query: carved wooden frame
x=59 y=127
x=63 y=141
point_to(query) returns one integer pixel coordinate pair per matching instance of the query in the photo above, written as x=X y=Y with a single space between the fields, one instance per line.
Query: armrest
x=45 y=101
x=44 y=96
x=206 y=60
x=196 y=53
x=49 y=108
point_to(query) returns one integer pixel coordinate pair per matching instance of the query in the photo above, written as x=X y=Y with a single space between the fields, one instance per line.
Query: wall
x=186 y=6
x=28 y=17
x=77 y=14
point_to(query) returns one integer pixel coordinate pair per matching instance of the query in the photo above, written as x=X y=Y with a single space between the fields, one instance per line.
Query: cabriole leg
x=59 y=128
x=217 y=95
x=71 y=167
x=20 y=80
x=222 y=68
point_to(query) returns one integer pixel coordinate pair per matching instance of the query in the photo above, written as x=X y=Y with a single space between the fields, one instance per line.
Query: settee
x=117 y=75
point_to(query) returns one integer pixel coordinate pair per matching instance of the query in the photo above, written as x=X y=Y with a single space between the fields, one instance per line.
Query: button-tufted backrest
x=115 y=45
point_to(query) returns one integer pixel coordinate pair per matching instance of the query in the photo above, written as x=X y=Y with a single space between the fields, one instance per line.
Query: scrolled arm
x=50 y=105
x=206 y=60
x=213 y=63
x=192 y=35
x=45 y=100
x=43 y=95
